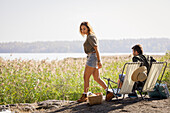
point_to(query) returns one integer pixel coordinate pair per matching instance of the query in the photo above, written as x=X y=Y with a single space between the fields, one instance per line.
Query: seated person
x=138 y=57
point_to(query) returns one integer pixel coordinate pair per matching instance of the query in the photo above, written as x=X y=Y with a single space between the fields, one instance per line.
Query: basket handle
x=94 y=86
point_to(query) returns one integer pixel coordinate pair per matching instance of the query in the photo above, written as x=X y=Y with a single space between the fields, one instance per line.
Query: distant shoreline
x=153 y=45
x=61 y=56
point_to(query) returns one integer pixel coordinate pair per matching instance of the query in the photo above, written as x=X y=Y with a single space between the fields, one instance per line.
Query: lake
x=56 y=56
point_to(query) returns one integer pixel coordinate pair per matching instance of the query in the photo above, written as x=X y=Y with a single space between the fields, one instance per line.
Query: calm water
x=57 y=56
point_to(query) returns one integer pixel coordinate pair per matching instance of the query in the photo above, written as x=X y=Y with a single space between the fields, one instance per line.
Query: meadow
x=28 y=81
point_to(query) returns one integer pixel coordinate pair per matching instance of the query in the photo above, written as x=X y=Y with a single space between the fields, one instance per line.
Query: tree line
x=105 y=46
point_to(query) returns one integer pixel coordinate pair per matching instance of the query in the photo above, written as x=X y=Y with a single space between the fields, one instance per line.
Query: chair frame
x=109 y=80
x=140 y=91
x=163 y=71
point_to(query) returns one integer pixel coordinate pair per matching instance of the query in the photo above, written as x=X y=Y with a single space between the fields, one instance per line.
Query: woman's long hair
x=90 y=30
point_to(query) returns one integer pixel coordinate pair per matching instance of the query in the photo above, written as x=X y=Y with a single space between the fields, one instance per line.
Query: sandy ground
x=127 y=105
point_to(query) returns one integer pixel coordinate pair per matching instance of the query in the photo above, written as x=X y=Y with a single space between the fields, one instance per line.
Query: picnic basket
x=97 y=99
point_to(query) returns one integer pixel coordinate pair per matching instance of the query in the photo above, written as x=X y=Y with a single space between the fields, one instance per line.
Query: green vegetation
x=166 y=78
x=27 y=81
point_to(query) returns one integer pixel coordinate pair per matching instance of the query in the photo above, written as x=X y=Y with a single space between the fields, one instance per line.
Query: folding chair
x=155 y=71
x=127 y=83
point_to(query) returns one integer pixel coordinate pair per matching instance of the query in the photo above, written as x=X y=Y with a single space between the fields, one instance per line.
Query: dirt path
x=126 y=105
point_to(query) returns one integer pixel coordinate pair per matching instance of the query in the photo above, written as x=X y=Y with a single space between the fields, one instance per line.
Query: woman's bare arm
x=98 y=57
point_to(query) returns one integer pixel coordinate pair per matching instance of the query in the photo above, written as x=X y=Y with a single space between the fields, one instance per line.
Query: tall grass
x=166 y=78
x=27 y=81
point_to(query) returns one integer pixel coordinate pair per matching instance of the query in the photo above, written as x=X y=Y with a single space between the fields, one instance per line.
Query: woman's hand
x=99 y=65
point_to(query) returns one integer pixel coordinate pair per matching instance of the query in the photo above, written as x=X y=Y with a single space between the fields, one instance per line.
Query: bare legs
x=87 y=73
x=98 y=79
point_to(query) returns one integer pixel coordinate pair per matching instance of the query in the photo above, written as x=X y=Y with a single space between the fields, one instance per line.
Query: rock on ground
x=114 y=106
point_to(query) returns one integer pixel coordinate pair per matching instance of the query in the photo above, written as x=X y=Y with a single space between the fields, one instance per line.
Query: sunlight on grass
x=27 y=81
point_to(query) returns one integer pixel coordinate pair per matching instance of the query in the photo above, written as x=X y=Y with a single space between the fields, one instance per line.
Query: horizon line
x=81 y=40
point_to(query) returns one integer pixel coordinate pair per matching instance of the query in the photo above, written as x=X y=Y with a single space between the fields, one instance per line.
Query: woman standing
x=93 y=63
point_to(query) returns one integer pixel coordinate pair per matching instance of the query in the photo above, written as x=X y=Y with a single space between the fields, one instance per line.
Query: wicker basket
x=97 y=99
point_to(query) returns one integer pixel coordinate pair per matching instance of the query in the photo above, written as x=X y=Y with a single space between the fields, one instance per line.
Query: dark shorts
x=92 y=60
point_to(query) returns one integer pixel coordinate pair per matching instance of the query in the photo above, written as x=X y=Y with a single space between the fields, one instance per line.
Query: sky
x=53 y=20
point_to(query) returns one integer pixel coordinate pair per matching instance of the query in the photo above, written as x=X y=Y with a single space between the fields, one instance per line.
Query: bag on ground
x=160 y=91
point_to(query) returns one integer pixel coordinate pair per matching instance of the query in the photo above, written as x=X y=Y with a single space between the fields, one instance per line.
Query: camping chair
x=155 y=71
x=127 y=83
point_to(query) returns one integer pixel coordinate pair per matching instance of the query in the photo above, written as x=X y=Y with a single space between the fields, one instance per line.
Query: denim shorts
x=122 y=77
x=92 y=60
